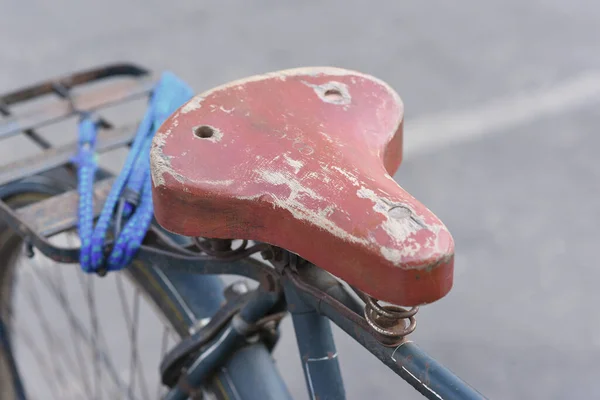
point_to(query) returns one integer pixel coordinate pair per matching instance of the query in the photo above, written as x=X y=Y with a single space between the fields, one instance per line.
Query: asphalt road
x=502 y=103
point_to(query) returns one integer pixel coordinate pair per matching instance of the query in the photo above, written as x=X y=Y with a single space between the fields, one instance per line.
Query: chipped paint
x=350 y=176
x=226 y=182
x=226 y=110
x=161 y=164
x=253 y=197
x=194 y=104
x=400 y=224
x=327 y=211
x=295 y=186
x=318 y=176
x=293 y=203
x=326 y=136
x=392 y=255
x=293 y=163
x=399 y=230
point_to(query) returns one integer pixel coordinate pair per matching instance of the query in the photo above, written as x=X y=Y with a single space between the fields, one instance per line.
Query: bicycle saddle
x=302 y=159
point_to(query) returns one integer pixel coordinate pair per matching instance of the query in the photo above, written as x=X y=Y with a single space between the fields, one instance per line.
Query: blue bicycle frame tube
x=317 y=349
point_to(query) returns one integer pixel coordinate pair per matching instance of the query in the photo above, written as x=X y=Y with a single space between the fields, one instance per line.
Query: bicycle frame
x=312 y=296
x=407 y=360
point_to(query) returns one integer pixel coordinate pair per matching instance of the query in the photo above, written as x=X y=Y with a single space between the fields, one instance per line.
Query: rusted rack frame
x=63 y=103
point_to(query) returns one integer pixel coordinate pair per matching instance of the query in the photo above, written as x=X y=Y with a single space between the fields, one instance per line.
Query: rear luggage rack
x=60 y=102
x=30 y=110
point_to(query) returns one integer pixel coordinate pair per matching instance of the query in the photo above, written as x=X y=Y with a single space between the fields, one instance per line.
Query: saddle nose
x=302 y=159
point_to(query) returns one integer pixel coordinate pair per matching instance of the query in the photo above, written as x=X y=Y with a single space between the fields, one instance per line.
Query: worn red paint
x=302 y=159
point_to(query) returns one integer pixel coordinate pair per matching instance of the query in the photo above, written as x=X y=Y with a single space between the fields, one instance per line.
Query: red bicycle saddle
x=302 y=159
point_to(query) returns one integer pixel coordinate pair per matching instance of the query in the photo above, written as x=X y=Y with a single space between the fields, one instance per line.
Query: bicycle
x=249 y=179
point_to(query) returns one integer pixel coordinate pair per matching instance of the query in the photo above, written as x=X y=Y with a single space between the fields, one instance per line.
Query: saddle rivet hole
x=204 y=131
x=333 y=94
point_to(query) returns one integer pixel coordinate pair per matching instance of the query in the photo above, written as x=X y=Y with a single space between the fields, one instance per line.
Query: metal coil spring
x=390 y=323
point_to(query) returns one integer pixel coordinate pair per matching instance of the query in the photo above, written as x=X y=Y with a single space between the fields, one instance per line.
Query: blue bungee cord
x=130 y=198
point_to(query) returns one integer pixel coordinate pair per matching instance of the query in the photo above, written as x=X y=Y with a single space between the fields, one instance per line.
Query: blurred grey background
x=502 y=112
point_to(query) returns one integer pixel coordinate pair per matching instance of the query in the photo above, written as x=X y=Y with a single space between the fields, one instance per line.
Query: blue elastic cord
x=168 y=95
x=87 y=166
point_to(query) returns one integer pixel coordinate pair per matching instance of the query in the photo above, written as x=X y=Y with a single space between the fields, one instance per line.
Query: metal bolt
x=266 y=254
x=239 y=287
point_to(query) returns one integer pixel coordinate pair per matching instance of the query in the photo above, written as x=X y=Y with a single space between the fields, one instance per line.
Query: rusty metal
x=86 y=102
x=330 y=298
x=58 y=213
x=51 y=216
x=30 y=133
x=66 y=103
x=72 y=80
x=392 y=323
x=63 y=86
x=55 y=215
x=32 y=237
x=108 y=139
x=388 y=324
x=320 y=286
x=27 y=227
x=317 y=287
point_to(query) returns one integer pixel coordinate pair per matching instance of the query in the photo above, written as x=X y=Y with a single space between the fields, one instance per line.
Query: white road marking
x=429 y=133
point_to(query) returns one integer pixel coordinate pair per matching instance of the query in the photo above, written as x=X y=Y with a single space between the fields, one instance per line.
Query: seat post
x=317 y=348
